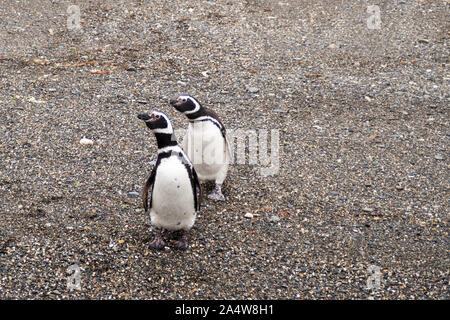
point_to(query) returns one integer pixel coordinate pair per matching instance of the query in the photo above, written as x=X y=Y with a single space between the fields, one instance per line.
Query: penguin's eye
x=183 y=99
x=156 y=116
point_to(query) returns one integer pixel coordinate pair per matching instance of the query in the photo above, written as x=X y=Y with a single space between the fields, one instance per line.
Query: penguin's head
x=157 y=121
x=185 y=104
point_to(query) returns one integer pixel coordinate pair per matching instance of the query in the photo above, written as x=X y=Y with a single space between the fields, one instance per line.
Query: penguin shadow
x=207 y=188
x=169 y=237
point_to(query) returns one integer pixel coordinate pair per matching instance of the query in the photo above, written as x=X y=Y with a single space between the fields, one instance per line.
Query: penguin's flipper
x=148 y=184
x=198 y=189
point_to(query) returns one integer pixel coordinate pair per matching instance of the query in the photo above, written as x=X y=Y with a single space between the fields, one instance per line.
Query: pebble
x=318 y=127
x=439 y=157
x=86 y=141
x=248 y=215
x=367 y=209
x=131 y=68
x=252 y=89
x=142 y=102
x=34 y=100
x=274 y=218
x=133 y=194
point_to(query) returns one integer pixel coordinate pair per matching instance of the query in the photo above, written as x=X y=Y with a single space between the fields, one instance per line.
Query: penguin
x=205 y=143
x=175 y=188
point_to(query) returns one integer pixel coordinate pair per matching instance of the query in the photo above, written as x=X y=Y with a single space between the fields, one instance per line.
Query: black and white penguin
x=175 y=195
x=205 y=143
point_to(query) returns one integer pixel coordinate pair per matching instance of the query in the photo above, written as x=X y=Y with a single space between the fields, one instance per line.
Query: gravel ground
x=363 y=119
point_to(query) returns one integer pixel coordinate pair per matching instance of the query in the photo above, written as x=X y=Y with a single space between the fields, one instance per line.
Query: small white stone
x=86 y=141
x=133 y=194
x=274 y=218
x=318 y=127
x=248 y=215
x=252 y=89
x=34 y=100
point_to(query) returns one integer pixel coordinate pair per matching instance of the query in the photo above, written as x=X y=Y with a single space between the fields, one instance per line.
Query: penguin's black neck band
x=197 y=114
x=165 y=140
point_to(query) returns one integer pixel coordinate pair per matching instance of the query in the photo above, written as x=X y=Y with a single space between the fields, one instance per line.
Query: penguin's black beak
x=173 y=102
x=144 y=116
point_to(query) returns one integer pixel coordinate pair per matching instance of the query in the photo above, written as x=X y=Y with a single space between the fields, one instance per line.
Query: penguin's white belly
x=173 y=205
x=206 y=148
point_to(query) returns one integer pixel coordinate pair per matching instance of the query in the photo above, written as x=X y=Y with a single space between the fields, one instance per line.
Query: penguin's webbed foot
x=217 y=194
x=157 y=243
x=182 y=243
